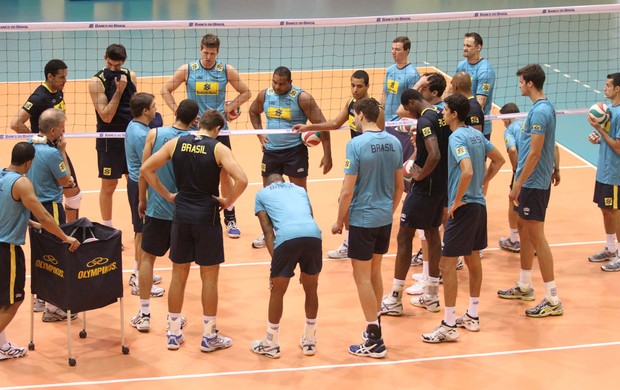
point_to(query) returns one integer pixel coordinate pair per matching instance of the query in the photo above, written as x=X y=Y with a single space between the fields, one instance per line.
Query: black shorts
x=225 y=139
x=134 y=197
x=56 y=210
x=72 y=170
x=366 y=242
x=12 y=274
x=606 y=196
x=112 y=163
x=421 y=211
x=533 y=204
x=156 y=236
x=292 y=162
x=307 y=251
x=466 y=232
x=199 y=243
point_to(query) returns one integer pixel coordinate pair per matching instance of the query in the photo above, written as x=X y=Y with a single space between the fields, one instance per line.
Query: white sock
x=174 y=323
x=310 y=328
x=514 y=235
x=397 y=289
x=136 y=268
x=551 y=292
x=108 y=223
x=273 y=334
x=433 y=281
x=145 y=306
x=525 y=279
x=425 y=268
x=346 y=237
x=610 y=239
x=3 y=341
x=50 y=308
x=472 y=310
x=450 y=316
x=209 y=326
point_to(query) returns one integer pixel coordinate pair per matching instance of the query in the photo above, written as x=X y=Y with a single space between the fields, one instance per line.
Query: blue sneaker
x=174 y=341
x=232 y=229
x=210 y=344
x=370 y=348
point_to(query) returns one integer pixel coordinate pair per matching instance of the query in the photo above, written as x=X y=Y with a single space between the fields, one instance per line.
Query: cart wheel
x=125 y=350
x=83 y=334
x=72 y=362
x=31 y=346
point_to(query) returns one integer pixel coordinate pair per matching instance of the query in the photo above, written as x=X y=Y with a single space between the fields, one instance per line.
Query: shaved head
x=461 y=83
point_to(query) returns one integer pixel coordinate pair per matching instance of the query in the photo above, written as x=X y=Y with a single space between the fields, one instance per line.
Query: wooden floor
x=576 y=350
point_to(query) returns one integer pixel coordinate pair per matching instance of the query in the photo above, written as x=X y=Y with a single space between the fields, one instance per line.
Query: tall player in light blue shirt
x=608 y=174
x=466 y=229
x=371 y=192
x=17 y=201
x=156 y=210
x=530 y=194
x=285 y=208
x=482 y=75
x=206 y=81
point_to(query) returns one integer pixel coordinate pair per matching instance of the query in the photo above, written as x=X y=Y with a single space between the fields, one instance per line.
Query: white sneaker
x=418 y=277
x=342 y=252
x=259 y=242
x=470 y=323
x=133 y=280
x=308 y=345
x=156 y=291
x=441 y=333
x=142 y=322
x=12 y=352
x=418 y=288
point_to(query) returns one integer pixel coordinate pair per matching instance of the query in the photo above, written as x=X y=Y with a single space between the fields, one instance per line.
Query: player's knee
x=74 y=202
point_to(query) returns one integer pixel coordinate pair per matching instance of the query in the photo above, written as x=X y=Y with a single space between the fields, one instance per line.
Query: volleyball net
x=577 y=46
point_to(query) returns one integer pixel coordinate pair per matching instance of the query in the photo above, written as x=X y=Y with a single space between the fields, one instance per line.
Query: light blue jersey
x=397 y=81
x=373 y=157
x=135 y=137
x=482 y=83
x=512 y=132
x=14 y=216
x=288 y=207
x=156 y=205
x=283 y=112
x=467 y=142
x=47 y=167
x=608 y=165
x=207 y=87
x=540 y=120
x=440 y=106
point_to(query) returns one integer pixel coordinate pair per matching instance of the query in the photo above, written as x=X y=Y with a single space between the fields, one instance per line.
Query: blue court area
x=579 y=50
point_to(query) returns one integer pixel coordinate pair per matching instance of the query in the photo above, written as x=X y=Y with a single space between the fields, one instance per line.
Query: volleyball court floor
x=576 y=350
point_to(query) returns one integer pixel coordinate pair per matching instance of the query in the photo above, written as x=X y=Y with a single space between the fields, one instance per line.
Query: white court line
x=315 y=368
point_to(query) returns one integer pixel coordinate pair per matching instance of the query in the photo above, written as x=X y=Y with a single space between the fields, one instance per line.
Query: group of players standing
x=449 y=178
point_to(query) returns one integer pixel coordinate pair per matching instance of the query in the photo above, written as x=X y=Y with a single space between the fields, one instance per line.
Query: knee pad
x=421 y=234
x=74 y=202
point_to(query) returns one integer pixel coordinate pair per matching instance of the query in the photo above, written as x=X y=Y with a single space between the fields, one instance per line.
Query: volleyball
x=311 y=138
x=407 y=170
x=599 y=113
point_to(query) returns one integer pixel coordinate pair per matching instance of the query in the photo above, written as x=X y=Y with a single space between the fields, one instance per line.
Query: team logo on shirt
x=279 y=113
x=293 y=93
x=392 y=86
x=507 y=141
x=28 y=105
x=460 y=150
x=194 y=66
x=347 y=164
x=219 y=67
x=536 y=127
x=207 y=88
x=427 y=131
x=486 y=87
x=62 y=167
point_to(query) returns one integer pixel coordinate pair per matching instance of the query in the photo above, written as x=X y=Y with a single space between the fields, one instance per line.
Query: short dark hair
x=459 y=104
x=615 y=79
x=187 y=111
x=361 y=74
x=22 y=153
x=53 y=66
x=139 y=102
x=404 y=40
x=509 y=108
x=476 y=36
x=116 y=52
x=436 y=83
x=533 y=73
x=410 y=94
x=50 y=118
x=210 y=41
x=283 y=71
x=369 y=107
x=211 y=119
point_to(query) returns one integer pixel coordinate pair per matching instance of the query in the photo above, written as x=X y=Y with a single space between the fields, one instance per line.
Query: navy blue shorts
x=156 y=236
x=56 y=210
x=366 y=242
x=606 y=196
x=307 y=251
x=12 y=274
x=111 y=163
x=201 y=244
x=421 y=211
x=134 y=197
x=533 y=203
x=292 y=162
x=466 y=232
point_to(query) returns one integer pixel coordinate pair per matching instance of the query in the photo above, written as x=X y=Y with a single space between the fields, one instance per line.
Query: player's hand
x=454 y=207
x=594 y=138
x=71 y=182
x=35 y=225
x=326 y=164
x=121 y=83
x=73 y=243
x=299 y=128
x=231 y=111
x=513 y=196
x=61 y=144
x=142 y=209
x=555 y=177
x=337 y=228
x=263 y=139
x=170 y=197
x=416 y=172
x=224 y=202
